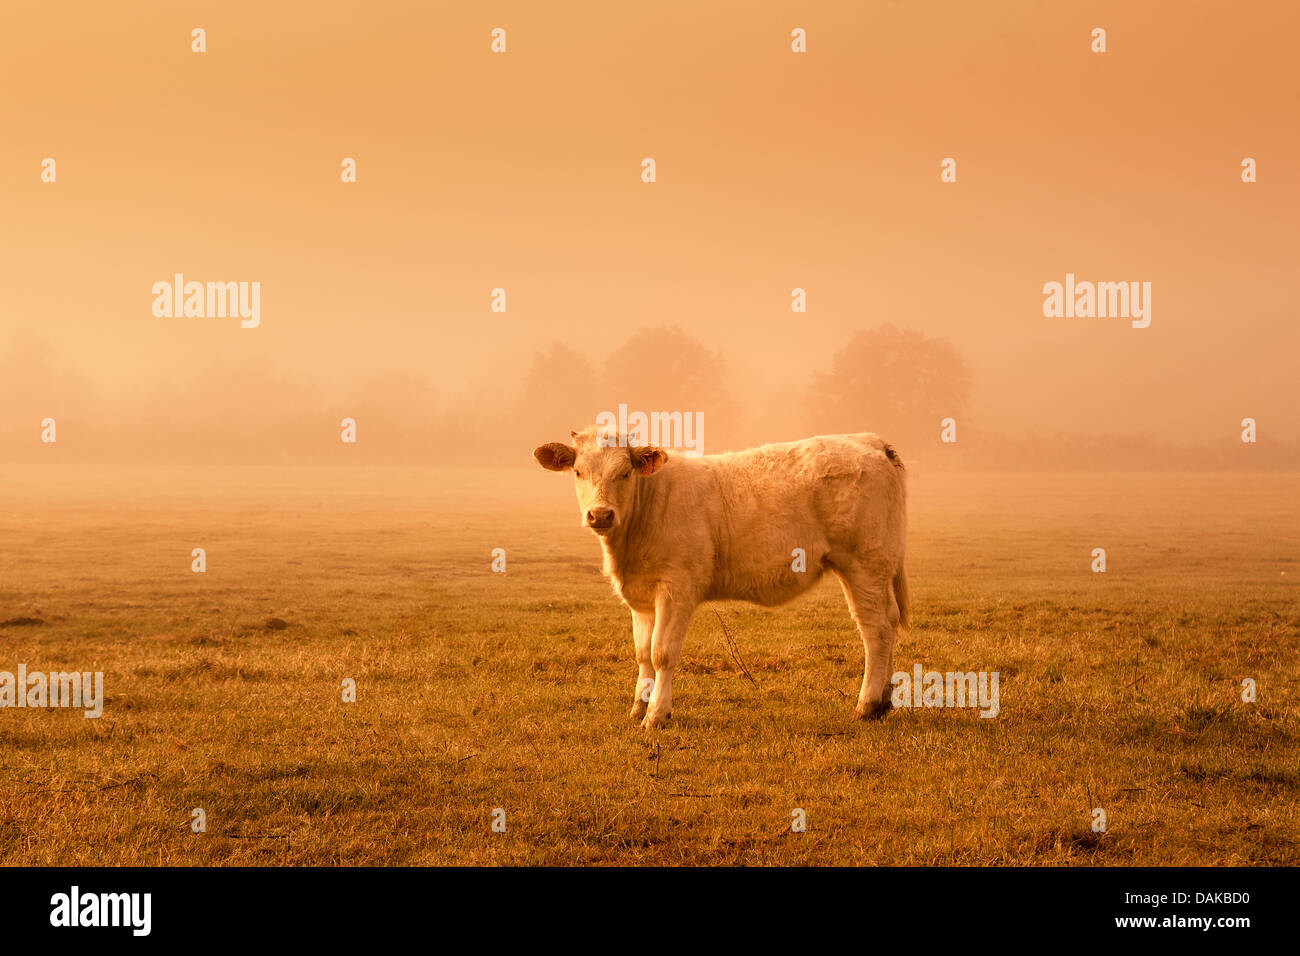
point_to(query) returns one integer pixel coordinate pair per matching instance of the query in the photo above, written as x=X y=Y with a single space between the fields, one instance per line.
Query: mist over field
x=904 y=385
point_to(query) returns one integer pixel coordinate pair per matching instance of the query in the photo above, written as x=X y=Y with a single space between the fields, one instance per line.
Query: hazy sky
x=774 y=170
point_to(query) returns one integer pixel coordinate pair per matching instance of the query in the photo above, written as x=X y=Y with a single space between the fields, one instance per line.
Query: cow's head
x=605 y=473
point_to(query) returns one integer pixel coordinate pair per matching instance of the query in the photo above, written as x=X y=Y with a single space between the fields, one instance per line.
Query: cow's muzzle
x=600 y=520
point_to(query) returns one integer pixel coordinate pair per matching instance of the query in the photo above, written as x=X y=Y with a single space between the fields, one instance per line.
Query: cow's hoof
x=873 y=711
x=654 y=721
x=638 y=710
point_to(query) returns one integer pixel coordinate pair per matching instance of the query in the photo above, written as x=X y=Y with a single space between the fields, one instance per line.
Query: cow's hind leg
x=642 y=630
x=874 y=609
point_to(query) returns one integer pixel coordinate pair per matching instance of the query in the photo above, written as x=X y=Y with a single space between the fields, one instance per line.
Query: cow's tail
x=903 y=597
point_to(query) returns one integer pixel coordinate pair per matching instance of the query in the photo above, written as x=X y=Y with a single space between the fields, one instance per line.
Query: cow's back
x=831 y=496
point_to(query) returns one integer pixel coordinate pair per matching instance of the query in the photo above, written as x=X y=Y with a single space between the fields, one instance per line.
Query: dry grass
x=479 y=691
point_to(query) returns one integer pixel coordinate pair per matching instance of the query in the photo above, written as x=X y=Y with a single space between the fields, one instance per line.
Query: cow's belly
x=766 y=585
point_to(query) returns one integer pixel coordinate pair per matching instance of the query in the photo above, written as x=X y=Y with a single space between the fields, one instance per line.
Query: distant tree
x=35 y=383
x=397 y=414
x=557 y=394
x=230 y=412
x=895 y=382
x=665 y=370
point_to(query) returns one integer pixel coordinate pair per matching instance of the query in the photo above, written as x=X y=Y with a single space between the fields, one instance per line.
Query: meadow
x=479 y=691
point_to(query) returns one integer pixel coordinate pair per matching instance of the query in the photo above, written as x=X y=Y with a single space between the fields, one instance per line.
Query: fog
x=775 y=172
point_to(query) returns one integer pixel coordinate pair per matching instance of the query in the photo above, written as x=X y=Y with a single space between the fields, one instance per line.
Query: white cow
x=679 y=531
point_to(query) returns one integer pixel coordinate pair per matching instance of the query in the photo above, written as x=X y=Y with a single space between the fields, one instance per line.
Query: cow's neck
x=620 y=544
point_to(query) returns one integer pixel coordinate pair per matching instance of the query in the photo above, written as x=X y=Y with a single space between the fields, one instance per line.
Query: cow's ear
x=648 y=460
x=555 y=456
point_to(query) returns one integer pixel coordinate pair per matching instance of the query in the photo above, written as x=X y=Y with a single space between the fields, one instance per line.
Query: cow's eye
x=576 y=473
x=624 y=475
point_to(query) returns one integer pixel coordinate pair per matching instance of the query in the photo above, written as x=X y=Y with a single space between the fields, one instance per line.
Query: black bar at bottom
x=879 y=907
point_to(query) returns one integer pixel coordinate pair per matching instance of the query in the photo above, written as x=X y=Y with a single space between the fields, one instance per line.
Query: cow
x=678 y=531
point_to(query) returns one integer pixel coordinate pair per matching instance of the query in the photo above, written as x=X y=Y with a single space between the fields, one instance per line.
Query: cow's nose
x=600 y=517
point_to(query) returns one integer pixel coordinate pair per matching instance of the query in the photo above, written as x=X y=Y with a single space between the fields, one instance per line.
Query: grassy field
x=479 y=691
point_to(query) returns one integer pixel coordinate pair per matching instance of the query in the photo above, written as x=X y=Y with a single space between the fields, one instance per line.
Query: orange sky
x=775 y=170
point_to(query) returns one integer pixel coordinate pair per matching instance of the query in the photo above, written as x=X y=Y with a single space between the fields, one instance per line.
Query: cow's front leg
x=642 y=631
x=671 y=620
